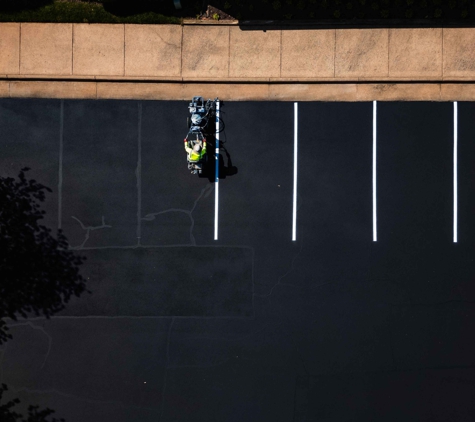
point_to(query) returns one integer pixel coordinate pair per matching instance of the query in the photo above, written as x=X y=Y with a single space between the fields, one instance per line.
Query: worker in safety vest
x=196 y=153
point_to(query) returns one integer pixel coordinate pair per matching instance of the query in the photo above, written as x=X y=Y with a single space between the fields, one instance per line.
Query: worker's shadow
x=225 y=165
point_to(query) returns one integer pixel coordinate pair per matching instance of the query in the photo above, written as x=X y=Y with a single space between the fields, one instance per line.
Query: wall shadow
x=277 y=25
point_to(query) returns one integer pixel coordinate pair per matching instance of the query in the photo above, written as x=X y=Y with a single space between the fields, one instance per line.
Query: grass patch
x=82 y=12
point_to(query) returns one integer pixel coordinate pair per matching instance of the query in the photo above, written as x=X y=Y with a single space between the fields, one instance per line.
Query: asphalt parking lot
x=252 y=326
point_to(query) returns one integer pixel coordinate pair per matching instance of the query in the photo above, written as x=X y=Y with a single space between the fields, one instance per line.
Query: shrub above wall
x=78 y=12
x=164 y=11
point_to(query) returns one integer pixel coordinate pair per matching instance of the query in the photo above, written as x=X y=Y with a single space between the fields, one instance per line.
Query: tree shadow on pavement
x=38 y=273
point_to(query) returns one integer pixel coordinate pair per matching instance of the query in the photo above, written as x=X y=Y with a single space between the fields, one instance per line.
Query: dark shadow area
x=11 y=6
x=301 y=14
x=309 y=14
x=226 y=167
x=127 y=8
x=8 y=413
x=275 y=25
x=287 y=14
x=38 y=273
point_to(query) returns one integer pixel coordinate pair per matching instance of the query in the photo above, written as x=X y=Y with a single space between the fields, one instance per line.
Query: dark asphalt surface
x=252 y=327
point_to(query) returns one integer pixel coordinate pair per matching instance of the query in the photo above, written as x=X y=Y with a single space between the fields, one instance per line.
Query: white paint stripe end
x=375 y=233
x=455 y=172
x=294 y=205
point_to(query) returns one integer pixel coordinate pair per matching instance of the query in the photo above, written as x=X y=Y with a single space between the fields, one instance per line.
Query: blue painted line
x=216 y=184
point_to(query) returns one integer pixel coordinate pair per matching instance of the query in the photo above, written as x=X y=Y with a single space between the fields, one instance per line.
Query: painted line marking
x=138 y=172
x=375 y=233
x=294 y=208
x=216 y=180
x=60 y=174
x=455 y=172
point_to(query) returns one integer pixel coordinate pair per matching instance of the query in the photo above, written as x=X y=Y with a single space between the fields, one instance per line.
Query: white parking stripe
x=375 y=234
x=294 y=209
x=216 y=180
x=455 y=172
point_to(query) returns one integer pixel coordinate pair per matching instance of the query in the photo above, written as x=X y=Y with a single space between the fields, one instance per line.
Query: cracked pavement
x=88 y=230
x=253 y=326
x=204 y=193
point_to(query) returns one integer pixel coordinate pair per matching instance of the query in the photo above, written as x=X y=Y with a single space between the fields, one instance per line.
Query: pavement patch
x=30 y=138
x=99 y=162
x=166 y=281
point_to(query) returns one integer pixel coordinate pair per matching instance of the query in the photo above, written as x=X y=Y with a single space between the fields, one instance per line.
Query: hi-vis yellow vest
x=193 y=155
